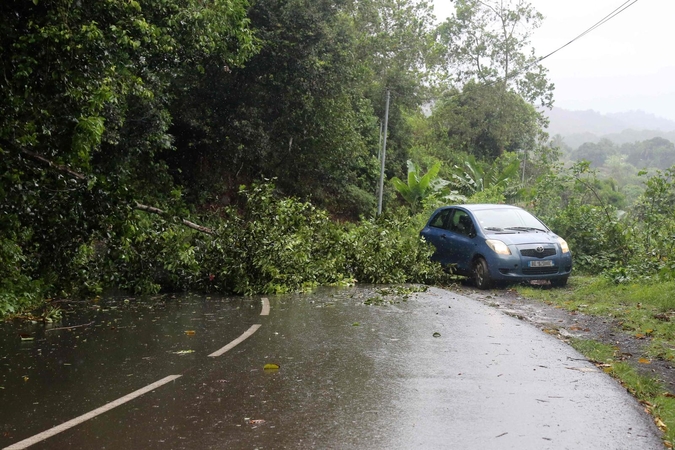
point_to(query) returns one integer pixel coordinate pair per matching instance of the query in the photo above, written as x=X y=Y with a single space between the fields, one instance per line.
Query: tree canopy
x=112 y=111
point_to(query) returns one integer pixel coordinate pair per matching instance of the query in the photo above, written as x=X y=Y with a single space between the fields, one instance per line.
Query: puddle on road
x=101 y=351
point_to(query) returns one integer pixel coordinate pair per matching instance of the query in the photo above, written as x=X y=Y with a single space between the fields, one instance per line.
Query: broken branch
x=59 y=167
x=187 y=223
x=82 y=177
x=69 y=328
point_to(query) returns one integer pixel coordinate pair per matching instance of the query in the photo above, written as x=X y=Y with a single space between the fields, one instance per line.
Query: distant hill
x=640 y=120
x=577 y=127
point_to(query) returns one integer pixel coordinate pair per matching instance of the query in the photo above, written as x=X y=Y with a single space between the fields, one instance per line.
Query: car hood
x=529 y=237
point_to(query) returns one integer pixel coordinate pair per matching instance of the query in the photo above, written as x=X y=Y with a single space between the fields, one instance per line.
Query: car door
x=437 y=233
x=461 y=239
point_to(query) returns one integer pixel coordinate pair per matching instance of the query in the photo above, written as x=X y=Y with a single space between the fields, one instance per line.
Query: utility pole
x=384 y=156
x=379 y=143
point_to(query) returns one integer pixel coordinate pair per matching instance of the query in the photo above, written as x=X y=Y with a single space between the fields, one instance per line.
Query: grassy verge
x=645 y=311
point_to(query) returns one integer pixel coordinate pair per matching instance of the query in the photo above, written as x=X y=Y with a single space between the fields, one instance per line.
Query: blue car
x=497 y=244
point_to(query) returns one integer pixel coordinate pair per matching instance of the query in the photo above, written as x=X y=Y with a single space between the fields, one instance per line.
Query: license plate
x=544 y=263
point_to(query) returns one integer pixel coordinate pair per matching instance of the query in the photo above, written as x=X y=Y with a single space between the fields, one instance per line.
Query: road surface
x=435 y=371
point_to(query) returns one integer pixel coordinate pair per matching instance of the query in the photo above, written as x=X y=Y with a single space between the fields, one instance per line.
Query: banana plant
x=475 y=178
x=420 y=187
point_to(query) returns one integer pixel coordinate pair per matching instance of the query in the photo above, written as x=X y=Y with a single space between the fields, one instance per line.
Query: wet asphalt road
x=351 y=376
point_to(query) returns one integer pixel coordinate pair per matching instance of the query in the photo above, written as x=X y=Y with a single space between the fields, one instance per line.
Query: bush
x=17 y=291
x=271 y=245
x=389 y=250
x=595 y=235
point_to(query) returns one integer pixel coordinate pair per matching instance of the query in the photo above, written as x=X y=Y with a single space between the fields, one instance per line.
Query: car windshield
x=508 y=220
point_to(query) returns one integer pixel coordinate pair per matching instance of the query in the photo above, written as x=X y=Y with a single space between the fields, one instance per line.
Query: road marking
x=266 y=307
x=90 y=415
x=247 y=334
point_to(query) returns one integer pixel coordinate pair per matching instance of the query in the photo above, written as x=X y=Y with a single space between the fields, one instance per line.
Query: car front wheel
x=481 y=274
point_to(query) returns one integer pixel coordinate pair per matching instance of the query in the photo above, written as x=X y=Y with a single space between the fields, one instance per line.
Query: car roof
x=483 y=206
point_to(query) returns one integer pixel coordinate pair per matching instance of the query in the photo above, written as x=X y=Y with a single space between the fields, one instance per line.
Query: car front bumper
x=516 y=267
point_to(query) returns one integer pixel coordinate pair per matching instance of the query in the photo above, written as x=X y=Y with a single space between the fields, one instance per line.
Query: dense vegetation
x=233 y=147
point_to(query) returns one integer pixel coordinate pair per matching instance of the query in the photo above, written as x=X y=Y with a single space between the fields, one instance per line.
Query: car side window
x=462 y=224
x=441 y=219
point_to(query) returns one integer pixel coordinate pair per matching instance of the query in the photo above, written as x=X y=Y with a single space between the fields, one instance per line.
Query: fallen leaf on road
x=644 y=361
x=271 y=366
x=190 y=332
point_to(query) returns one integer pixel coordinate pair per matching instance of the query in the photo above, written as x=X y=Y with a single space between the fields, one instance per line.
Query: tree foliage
x=475 y=177
x=84 y=101
x=134 y=135
x=488 y=40
x=484 y=121
x=111 y=108
x=305 y=109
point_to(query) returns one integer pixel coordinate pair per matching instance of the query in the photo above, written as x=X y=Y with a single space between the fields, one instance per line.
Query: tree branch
x=187 y=223
x=82 y=177
x=59 y=167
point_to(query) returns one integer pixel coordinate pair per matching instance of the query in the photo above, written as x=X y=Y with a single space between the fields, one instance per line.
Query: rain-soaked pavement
x=438 y=371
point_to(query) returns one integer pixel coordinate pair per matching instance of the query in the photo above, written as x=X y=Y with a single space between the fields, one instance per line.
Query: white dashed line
x=120 y=401
x=265 y=307
x=90 y=415
x=248 y=333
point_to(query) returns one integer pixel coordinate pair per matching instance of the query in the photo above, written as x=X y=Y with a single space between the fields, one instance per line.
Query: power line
x=627 y=4
x=621 y=8
x=624 y=6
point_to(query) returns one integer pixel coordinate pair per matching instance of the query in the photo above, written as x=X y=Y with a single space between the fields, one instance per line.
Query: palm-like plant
x=420 y=187
x=476 y=178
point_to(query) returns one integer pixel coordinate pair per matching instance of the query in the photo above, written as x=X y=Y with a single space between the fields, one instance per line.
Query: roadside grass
x=647 y=311
x=644 y=310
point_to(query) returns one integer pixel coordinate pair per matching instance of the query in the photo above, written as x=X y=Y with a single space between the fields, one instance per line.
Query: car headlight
x=498 y=247
x=563 y=245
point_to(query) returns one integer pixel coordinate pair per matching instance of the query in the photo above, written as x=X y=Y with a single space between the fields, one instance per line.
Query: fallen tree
x=136 y=205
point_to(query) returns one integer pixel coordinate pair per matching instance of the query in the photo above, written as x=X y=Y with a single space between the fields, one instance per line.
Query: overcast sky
x=626 y=64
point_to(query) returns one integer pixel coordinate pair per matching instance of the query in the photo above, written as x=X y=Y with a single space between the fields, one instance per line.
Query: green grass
x=642 y=309
x=594 y=351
